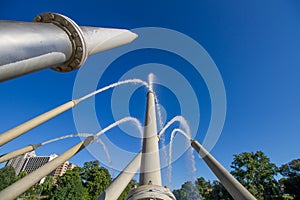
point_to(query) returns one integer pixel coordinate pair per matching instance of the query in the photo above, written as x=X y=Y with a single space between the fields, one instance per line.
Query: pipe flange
x=79 y=53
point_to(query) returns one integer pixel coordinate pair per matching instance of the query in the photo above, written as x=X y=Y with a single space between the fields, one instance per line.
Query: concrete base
x=150 y=192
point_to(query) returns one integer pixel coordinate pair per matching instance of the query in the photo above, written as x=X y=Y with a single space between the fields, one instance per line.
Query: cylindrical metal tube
x=18 y=152
x=150 y=164
x=27 y=47
x=52 y=40
x=235 y=188
x=115 y=189
x=23 y=128
x=22 y=185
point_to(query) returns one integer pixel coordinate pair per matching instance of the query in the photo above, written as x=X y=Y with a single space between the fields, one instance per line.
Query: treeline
x=256 y=173
x=81 y=183
x=253 y=170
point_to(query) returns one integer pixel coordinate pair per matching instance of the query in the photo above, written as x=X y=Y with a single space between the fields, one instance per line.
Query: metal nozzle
x=52 y=40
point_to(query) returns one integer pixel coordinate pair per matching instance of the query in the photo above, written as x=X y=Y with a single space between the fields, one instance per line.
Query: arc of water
x=67 y=136
x=107 y=154
x=26 y=126
x=185 y=125
x=134 y=81
x=84 y=135
x=26 y=182
x=159 y=114
x=170 y=151
x=192 y=157
x=125 y=119
x=182 y=121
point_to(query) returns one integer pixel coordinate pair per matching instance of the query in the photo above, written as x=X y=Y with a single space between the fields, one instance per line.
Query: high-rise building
x=33 y=163
x=29 y=162
x=63 y=169
x=18 y=162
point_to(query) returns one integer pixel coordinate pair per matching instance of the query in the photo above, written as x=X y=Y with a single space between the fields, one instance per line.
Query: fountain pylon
x=150 y=184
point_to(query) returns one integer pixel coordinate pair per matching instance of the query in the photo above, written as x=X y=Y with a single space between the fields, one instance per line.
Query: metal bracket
x=79 y=52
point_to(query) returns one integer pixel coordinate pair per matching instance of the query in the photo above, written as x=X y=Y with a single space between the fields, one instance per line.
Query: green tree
x=188 y=191
x=21 y=175
x=95 y=178
x=131 y=185
x=47 y=186
x=32 y=193
x=69 y=186
x=291 y=182
x=219 y=192
x=7 y=176
x=256 y=173
x=204 y=187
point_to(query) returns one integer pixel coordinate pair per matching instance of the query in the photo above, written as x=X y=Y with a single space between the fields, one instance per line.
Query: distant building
x=33 y=163
x=71 y=166
x=63 y=169
x=18 y=162
x=29 y=162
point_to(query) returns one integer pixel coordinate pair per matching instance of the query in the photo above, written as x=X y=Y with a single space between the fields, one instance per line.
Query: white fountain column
x=150 y=164
x=150 y=175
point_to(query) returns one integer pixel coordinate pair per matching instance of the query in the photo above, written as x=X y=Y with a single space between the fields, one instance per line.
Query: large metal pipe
x=22 y=185
x=52 y=40
x=23 y=128
x=150 y=164
x=235 y=188
x=150 y=186
x=18 y=152
x=115 y=189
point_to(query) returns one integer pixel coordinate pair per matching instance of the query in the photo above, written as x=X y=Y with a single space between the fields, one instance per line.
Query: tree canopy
x=188 y=191
x=95 y=178
x=69 y=186
x=291 y=182
x=256 y=173
x=7 y=176
x=253 y=170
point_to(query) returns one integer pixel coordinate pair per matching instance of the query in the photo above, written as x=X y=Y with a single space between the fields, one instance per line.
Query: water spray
x=27 y=126
x=22 y=185
x=235 y=188
x=183 y=123
x=190 y=153
x=33 y=147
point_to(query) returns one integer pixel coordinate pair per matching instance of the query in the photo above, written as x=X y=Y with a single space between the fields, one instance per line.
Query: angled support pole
x=18 y=152
x=22 y=185
x=115 y=189
x=235 y=188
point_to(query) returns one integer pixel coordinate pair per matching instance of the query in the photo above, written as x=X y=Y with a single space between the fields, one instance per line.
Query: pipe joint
x=79 y=49
x=35 y=146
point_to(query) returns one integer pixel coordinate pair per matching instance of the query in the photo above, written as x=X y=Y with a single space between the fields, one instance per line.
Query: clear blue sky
x=255 y=45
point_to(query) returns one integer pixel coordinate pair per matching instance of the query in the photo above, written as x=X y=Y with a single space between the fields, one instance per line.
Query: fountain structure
x=150 y=184
x=69 y=52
